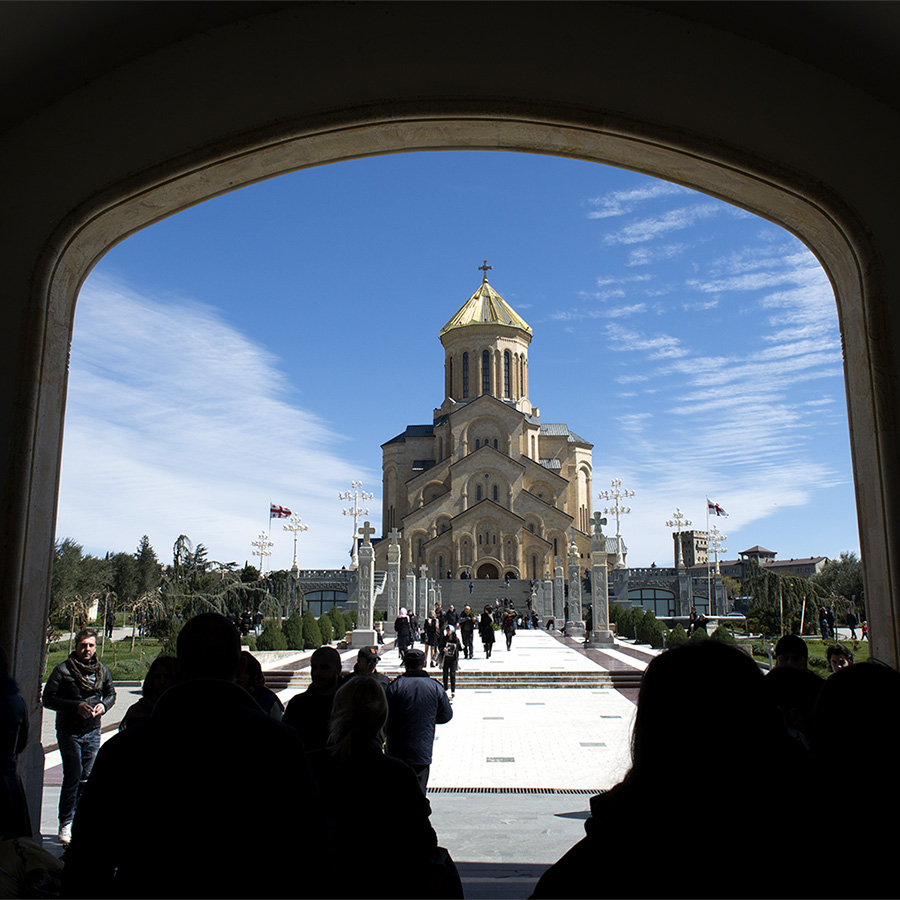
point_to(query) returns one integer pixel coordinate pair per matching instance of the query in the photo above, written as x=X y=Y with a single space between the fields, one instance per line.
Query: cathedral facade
x=487 y=490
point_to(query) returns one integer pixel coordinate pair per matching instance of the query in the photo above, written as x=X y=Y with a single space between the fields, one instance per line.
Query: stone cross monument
x=600 y=584
x=409 y=596
x=393 y=580
x=559 y=594
x=574 y=565
x=364 y=633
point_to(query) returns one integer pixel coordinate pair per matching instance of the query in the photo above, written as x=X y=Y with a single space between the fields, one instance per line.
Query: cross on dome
x=484 y=269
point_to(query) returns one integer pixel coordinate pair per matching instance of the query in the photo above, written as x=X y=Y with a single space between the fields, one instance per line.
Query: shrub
x=723 y=634
x=326 y=628
x=649 y=630
x=677 y=636
x=312 y=634
x=699 y=634
x=272 y=637
x=293 y=632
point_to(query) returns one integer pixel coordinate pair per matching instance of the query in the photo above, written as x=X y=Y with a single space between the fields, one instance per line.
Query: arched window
x=477 y=493
x=495 y=493
x=506 y=367
x=486 y=372
x=465 y=374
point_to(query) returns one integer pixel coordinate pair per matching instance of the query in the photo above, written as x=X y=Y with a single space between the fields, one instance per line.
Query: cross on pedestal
x=599 y=521
x=394 y=535
x=422 y=570
x=367 y=531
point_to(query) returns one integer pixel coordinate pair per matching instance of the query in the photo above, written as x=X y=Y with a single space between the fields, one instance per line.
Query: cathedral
x=487 y=490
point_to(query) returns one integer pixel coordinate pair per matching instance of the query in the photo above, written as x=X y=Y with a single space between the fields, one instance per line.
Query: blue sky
x=263 y=345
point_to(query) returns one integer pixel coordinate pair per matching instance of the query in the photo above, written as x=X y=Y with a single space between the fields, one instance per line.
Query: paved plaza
x=513 y=770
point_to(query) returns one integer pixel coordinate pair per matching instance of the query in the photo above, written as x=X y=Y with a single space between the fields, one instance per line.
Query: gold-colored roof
x=486 y=307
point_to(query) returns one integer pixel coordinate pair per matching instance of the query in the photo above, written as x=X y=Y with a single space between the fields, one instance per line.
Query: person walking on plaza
x=402 y=630
x=467 y=631
x=309 y=713
x=416 y=704
x=509 y=627
x=432 y=632
x=80 y=690
x=486 y=630
x=450 y=654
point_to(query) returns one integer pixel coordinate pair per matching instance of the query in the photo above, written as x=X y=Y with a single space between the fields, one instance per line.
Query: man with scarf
x=80 y=690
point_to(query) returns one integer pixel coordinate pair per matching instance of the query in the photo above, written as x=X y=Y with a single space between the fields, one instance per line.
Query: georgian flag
x=715 y=509
x=278 y=512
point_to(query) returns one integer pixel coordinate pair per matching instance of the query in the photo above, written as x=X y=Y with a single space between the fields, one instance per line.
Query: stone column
x=364 y=634
x=409 y=594
x=393 y=581
x=422 y=593
x=547 y=585
x=577 y=623
x=599 y=584
x=432 y=598
x=559 y=594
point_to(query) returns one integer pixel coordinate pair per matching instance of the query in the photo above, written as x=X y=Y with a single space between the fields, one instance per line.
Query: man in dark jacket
x=416 y=703
x=192 y=840
x=81 y=691
x=309 y=713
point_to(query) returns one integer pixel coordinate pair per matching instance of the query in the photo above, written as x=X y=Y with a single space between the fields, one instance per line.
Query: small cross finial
x=484 y=269
x=367 y=531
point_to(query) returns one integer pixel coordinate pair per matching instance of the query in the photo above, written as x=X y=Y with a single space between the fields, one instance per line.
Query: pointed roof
x=486 y=307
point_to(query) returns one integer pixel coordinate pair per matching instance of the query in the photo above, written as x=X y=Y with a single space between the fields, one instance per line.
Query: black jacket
x=62 y=693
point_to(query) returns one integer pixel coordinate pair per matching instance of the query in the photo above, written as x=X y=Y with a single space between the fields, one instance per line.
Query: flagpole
x=708 y=578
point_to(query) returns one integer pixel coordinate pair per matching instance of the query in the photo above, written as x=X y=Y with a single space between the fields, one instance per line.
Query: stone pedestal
x=600 y=585
x=575 y=588
x=393 y=581
x=365 y=633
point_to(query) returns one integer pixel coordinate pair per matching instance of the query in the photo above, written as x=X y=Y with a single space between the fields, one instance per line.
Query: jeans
x=78 y=752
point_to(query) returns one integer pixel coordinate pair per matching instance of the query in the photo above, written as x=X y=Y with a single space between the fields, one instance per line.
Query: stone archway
x=75 y=198
x=487 y=571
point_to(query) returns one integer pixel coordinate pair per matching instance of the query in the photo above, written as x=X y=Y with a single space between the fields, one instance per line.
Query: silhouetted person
x=701 y=708
x=416 y=703
x=81 y=691
x=159 y=678
x=191 y=837
x=356 y=745
x=15 y=820
x=253 y=681
x=855 y=734
x=310 y=712
x=403 y=631
x=791 y=650
x=794 y=692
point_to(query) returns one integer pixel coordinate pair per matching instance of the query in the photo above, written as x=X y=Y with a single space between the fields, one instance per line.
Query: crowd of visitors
x=754 y=744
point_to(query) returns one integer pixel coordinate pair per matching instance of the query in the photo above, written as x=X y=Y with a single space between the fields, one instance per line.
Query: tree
x=312 y=634
x=843 y=579
x=780 y=601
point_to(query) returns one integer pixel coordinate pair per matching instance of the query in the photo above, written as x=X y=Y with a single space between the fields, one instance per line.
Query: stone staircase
x=299 y=679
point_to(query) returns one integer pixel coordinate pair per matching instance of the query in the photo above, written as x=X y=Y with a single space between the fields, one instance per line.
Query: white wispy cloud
x=176 y=423
x=652 y=227
x=619 y=203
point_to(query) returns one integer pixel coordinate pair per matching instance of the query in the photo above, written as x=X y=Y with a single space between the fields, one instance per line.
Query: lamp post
x=355 y=495
x=678 y=521
x=297 y=527
x=617 y=494
x=262 y=544
x=715 y=544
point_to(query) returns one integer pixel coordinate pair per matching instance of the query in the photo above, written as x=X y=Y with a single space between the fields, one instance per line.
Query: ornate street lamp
x=262 y=544
x=678 y=521
x=355 y=495
x=617 y=494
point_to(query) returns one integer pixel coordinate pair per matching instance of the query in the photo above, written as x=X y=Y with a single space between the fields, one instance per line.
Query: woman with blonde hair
x=355 y=752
